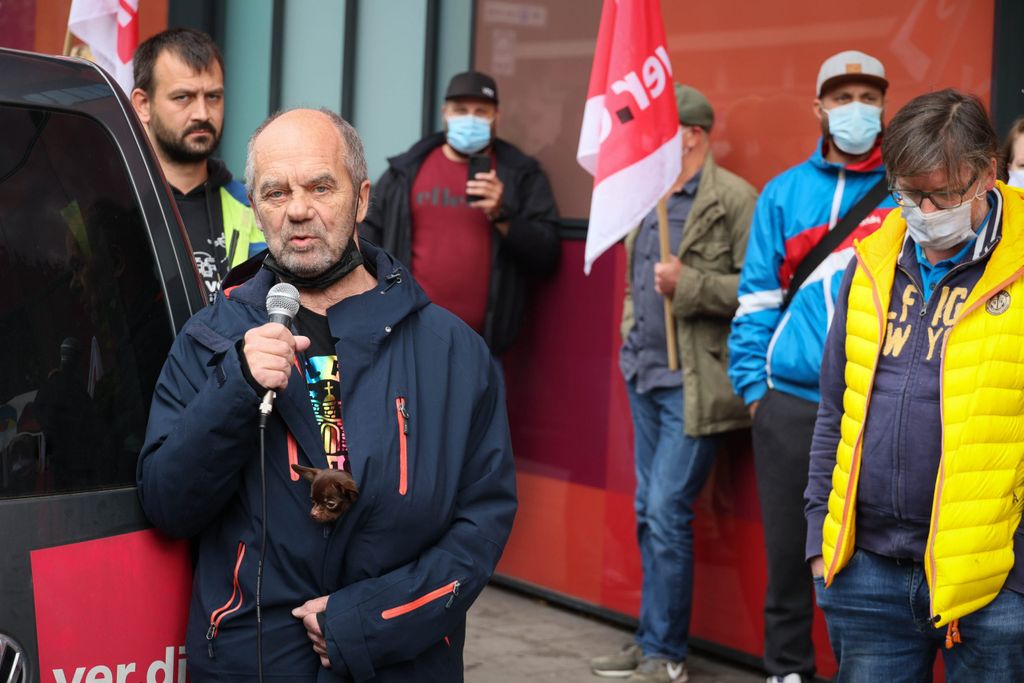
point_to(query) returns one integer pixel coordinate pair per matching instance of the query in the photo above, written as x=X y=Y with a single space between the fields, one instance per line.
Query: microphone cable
x=263 y=548
x=282 y=305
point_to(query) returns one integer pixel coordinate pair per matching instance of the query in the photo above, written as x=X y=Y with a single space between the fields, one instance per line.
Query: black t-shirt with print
x=205 y=234
x=320 y=368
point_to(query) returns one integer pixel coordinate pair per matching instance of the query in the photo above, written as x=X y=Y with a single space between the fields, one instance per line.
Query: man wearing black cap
x=679 y=415
x=472 y=243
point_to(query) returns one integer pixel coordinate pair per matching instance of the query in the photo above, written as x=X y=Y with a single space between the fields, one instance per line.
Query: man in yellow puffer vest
x=916 y=481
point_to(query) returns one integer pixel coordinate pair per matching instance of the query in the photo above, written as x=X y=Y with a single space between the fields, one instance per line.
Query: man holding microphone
x=372 y=379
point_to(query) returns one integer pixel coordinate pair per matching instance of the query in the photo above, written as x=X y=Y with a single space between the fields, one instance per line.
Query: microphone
x=282 y=305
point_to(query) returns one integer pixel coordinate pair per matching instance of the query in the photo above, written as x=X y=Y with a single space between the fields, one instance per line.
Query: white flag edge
x=622 y=199
x=590 y=134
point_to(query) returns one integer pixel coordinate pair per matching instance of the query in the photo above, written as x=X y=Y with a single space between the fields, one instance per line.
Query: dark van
x=96 y=277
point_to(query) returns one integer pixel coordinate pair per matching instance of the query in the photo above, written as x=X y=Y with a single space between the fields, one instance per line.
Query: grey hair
x=943 y=130
x=355 y=156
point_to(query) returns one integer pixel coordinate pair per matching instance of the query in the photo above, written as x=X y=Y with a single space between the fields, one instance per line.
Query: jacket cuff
x=755 y=392
x=346 y=644
x=246 y=372
x=815 y=524
x=505 y=215
x=687 y=291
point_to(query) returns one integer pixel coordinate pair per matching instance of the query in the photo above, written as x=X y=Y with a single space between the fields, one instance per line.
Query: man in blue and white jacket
x=775 y=354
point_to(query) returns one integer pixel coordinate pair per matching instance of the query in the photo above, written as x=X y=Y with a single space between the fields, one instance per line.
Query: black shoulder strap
x=835 y=237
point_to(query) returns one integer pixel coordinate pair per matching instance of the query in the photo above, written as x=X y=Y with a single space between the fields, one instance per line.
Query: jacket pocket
x=233 y=604
x=717 y=255
x=451 y=590
x=402 y=416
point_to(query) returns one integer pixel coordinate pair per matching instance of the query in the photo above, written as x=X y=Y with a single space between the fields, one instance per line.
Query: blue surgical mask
x=854 y=127
x=468 y=134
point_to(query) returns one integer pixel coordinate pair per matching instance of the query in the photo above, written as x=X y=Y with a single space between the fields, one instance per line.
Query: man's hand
x=307 y=612
x=817 y=566
x=490 y=189
x=270 y=351
x=753 y=408
x=666 y=276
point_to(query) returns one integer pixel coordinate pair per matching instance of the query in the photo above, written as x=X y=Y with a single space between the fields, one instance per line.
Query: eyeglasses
x=942 y=199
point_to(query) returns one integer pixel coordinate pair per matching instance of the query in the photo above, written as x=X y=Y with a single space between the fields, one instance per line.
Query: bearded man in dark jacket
x=473 y=245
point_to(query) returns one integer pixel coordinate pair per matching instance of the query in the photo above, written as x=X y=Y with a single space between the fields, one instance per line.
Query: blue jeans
x=877 y=611
x=671 y=469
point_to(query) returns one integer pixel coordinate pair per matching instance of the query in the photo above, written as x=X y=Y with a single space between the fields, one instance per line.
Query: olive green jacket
x=712 y=250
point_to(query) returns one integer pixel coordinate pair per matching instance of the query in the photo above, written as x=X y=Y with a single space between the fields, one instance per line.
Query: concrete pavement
x=513 y=638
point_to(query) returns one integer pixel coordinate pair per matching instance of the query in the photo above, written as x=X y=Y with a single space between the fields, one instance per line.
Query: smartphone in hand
x=478 y=163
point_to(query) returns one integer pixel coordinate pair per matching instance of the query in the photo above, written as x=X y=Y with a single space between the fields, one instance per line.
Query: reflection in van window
x=83 y=323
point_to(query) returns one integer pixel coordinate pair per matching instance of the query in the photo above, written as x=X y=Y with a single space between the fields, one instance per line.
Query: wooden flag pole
x=670 y=321
x=67 y=35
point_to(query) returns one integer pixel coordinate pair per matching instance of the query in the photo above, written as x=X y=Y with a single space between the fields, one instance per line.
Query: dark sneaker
x=658 y=670
x=619 y=665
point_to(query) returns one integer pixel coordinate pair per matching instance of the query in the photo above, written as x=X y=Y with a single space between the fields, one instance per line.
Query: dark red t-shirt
x=451 y=241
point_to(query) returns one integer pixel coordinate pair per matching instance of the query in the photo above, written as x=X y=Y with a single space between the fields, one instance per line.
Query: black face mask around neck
x=349 y=261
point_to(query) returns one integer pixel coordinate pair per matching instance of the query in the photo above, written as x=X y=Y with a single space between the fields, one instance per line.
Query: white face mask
x=943 y=229
x=1016 y=178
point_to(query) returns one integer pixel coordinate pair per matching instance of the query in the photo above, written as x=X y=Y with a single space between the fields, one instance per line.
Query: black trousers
x=782 y=430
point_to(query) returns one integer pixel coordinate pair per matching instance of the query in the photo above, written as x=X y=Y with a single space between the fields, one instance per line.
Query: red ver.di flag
x=630 y=141
x=111 y=30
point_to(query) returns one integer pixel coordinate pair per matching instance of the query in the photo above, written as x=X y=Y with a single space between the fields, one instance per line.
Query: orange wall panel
x=756 y=61
x=758 y=64
x=558 y=536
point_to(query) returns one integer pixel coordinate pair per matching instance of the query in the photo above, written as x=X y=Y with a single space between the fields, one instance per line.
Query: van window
x=84 y=328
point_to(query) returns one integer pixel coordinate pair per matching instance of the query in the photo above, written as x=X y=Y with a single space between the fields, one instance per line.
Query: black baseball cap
x=472 y=84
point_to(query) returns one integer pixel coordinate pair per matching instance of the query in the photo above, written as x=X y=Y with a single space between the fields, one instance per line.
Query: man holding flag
x=676 y=414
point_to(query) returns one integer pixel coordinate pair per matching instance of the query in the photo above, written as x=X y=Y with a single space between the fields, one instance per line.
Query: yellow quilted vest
x=979 y=489
x=240 y=228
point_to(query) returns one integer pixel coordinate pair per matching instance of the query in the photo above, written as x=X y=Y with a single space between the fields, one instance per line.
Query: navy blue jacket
x=402 y=566
x=902 y=442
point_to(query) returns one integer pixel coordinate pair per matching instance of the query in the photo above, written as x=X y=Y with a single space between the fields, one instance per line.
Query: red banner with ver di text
x=113 y=609
x=630 y=140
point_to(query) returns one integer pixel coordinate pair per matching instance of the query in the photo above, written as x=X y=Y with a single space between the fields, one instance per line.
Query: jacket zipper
x=902 y=414
x=218 y=614
x=451 y=590
x=235 y=233
x=293 y=455
x=941 y=479
x=403 y=446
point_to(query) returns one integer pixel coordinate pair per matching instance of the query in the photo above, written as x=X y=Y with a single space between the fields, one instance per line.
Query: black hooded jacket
x=201 y=213
x=530 y=250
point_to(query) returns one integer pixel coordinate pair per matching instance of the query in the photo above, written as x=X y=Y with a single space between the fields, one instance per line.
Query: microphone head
x=282 y=302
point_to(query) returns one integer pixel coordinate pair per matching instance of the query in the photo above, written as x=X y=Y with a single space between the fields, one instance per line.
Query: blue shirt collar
x=691 y=185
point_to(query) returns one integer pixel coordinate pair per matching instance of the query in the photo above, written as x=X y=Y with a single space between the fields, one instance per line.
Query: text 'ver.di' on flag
x=111 y=30
x=630 y=140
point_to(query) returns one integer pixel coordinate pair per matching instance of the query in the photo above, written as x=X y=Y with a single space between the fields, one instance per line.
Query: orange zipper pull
x=952 y=634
